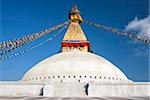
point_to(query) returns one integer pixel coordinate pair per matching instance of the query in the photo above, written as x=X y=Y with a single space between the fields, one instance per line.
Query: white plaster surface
x=72 y=98
x=20 y=89
x=74 y=89
x=76 y=64
x=65 y=89
x=133 y=89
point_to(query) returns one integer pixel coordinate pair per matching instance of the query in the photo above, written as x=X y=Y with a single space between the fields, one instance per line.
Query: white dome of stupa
x=74 y=66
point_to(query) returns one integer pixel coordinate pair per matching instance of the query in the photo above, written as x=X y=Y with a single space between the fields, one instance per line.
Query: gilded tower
x=75 y=38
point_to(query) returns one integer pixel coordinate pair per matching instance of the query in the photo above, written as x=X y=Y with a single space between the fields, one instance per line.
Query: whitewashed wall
x=132 y=89
x=20 y=89
x=65 y=89
x=74 y=89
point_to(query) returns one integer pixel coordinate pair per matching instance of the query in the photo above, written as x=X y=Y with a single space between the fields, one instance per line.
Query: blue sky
x=22 y=17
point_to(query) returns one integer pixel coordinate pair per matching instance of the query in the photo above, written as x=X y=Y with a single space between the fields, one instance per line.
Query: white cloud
x=141 y=25
x=142 y=51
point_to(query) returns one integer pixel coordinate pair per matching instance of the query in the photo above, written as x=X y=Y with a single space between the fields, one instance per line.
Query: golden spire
x=75 y=38
x=74 y=10
x=74 y=32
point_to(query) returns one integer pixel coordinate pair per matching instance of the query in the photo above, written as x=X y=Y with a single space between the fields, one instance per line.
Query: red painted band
x=74 y=44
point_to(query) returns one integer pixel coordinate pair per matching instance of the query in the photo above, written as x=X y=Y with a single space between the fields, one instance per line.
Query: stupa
x=74 y=72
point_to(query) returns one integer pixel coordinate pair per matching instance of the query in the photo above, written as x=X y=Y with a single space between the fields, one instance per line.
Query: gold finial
x=74 y=10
